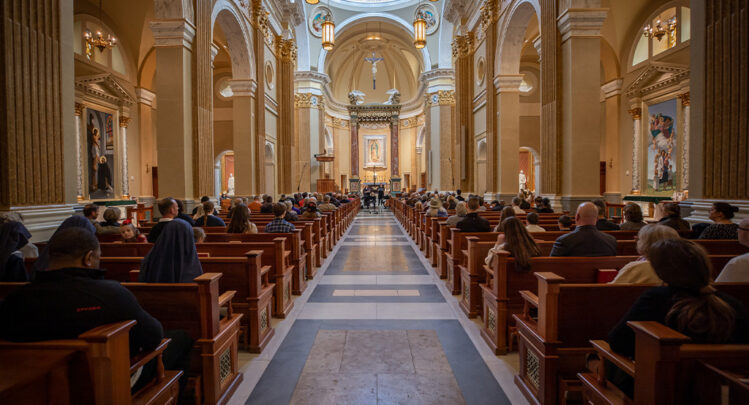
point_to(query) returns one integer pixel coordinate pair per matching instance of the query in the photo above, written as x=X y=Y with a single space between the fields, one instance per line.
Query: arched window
x=112 y=58
x=667 y=28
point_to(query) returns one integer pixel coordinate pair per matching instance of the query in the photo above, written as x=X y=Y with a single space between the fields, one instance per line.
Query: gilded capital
x=339 y=123
x=259 y=20
x=463 y=45
x=307 y=100
x=684 y=99
x=636 y=113
x=441 y=97
x=489 y=14
x=286 y=50
x=78 y=109
x=124 y=121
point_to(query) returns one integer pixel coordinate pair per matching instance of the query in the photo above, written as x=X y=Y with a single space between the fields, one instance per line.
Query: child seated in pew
x=507 y=212
x=240 y=221
x=640 y=271
x=517 y=242
x=69 y=297
x=687 y=303
x=173 y=258
x=198 y=234
x=565 y=223
x=130 y=233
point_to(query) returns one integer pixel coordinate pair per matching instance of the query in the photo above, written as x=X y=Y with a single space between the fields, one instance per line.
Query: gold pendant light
x=312 y=1
x=420 y=31
x=328 y=32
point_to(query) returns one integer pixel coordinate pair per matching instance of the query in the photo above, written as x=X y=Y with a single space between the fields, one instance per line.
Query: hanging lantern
x=420 y=32
x=312 y=1
x=328 y=34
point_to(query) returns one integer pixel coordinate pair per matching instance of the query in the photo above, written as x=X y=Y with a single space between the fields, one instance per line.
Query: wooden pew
x=93 y=369
x=194 y=308
x=666 y=369
x=456 y=254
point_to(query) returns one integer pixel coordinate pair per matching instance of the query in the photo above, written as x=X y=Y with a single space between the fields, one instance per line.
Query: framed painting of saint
x=374 y=151
x=662 y=141
x=99 y=154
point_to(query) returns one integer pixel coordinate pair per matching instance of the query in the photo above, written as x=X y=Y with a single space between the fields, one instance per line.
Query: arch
x=422 y=136
x=365 y=17
x=634 y=33
x=445 y=54
x=536 y=167
x=218 y=174
x=609 y=62
x=481 y=150
x=238 y=38
x=512 y=32
x=329 y=145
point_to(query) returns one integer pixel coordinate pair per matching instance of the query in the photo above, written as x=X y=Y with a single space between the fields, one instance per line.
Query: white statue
x=230 y=184
x=395 y=97
x=522 y=180
x=356 y=97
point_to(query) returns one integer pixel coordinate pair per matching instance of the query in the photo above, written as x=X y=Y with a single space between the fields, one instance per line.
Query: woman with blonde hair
x=640 y=270
x=517 y=241
x=460 y=212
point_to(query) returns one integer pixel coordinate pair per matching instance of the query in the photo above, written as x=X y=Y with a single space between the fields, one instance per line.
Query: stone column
x=260 y=34
x=549 y=55
x=286 y=52
x=203 y=130
x=78 y=168
x=124 y=122
x=146 y=108
x=611 y=103
x=507 y=139
x=354 y=125
x=394 y=146
x=242 y=93
x=463 y=51
x=441 y=106
x=685 y=133
x=636 y=114
x=581 y=120
x=174 y=78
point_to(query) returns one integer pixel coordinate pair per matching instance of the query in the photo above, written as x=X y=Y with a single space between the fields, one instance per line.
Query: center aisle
x=377 y=326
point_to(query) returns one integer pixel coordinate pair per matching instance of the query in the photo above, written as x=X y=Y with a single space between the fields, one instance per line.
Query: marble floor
x=377 y=326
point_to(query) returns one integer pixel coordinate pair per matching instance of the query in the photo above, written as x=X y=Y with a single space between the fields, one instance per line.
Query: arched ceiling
x=347 y=69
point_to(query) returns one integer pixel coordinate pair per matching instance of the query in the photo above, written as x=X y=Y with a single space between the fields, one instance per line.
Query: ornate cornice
x=412 y=122
x=374 y=112
x=463 y=45
x=104 y=87
x=636 y=113
x=436 y=74
x=286 y=50
x=124 y=121
x=441 y=97
x=666 y=75
x=308 y=100
x=322 y=78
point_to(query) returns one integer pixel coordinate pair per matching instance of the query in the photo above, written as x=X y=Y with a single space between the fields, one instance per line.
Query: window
x=669 y=28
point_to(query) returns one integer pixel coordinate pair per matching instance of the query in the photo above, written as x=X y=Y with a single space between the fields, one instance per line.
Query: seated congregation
x=601 y=309
x=112 y=312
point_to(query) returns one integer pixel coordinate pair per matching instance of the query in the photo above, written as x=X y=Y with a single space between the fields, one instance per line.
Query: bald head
x=587 y=214
x=744 y=232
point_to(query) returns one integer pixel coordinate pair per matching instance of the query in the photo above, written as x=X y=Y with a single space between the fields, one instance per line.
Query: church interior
x=374 y=202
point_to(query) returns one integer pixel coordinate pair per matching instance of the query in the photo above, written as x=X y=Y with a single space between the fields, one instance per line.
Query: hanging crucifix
x=373 y=60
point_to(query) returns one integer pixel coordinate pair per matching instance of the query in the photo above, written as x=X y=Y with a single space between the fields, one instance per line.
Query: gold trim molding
x=124 y=121
x=339 y=123
x=308 y=100
x=441 y=97
x=259 y=20
x=636 y=113
x=684 y=99
x=286 y=50
x=489 y=14
x=463 y=45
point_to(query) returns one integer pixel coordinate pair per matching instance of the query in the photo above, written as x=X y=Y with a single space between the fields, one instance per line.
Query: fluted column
x=354 y=124
x=685 y=133
x=394 y=147
x=261 y=33
x=203 y=131
x=463 y=148
x=242 y=93
x=78 y=168
x=124 y=122
x=286 y=52
x=636 y=114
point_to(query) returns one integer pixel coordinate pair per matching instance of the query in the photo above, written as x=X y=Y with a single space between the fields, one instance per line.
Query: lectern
x=325 y=185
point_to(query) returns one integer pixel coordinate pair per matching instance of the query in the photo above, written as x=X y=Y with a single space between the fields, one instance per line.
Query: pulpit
x=326 y=184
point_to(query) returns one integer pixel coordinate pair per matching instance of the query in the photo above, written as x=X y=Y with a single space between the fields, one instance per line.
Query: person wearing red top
x=255 y=205
x=130 y=233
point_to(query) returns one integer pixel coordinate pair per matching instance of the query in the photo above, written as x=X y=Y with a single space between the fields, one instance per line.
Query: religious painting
x=429 y=14
x=100 y=154
x=662 y=148
x=374 y=151
x=318 y=16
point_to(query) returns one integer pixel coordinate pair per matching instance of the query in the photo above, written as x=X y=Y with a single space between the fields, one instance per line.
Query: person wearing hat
x=310 y=210
x=436 y=209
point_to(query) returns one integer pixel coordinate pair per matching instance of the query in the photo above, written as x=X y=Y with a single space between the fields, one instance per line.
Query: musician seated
x=71 y=297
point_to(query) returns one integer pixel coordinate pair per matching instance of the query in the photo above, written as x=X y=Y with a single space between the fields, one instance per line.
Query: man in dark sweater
x=473 y=222
x=169 y=210
x=585 y=240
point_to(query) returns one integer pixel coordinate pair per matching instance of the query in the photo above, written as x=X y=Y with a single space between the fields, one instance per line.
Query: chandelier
x=312 y=1
x=98 y=39
x=420 y=31
x=660 y=30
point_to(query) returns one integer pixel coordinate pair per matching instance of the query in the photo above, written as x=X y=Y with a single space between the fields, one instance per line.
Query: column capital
x=684 y=99
x=243 y=87
x=124 y=121
x=286 y=50
x=145 y=96
x=508 y=83
x=489 y=14
x=78 y=109
x=581 y=22
x=463 y=45
x=172 y=33
x=612 y=88
x=307 y=100
x=636 y=113
x=441 y=97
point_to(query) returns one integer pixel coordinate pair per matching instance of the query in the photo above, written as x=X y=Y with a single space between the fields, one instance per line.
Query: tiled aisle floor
x=377 y=326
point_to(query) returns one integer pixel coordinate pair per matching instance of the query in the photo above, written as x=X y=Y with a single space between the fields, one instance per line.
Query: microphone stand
x=300 y=177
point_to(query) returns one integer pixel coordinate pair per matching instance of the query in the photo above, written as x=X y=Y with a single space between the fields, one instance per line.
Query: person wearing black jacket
x=473 y=222
x=71 y=297
x=181 y=215
x=585 y=240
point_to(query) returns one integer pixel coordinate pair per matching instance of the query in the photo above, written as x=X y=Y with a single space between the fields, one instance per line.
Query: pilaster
x=507 y=138
x=146 y=106
x=463 y=148
x=243 y=92
x=286 y=52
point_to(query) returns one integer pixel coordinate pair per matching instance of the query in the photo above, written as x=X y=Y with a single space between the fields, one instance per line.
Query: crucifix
x=373 y=60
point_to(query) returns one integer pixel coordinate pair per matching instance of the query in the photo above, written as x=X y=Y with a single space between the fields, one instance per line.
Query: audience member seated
x=640 y=270
x=507 y=212
x=482 y=207
x=202 y=200
x=544 y=207
x=721 y=214
x=532 y=220
x=517 y=242
x=291 y=215
x=418 y=206
x=458 y=195
x=70 y=297
x=110 y=225
x=169 y=210
x=604 y=224
x=255 y=205
x=632 y=218
x=686 y=303
x=472 y=221
x=181 y=213
x=496 y=205
x=736 y=270
x=198 y=234
x=76 y=221
x=672 y=217
x=326 y=206
x=436 y=209
x=29 y=250
x=451 y=202
x=524 y=205
x=240 y=221
x=209 y=220
x=516 y=206
x=279 y=224
x=585 y=240
x=565 y=223
x=267 y=207
x=460 y=212
x=310 y=210
x=173 y=258
x=130 y=233
x=13 y=237
x=91 y=212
